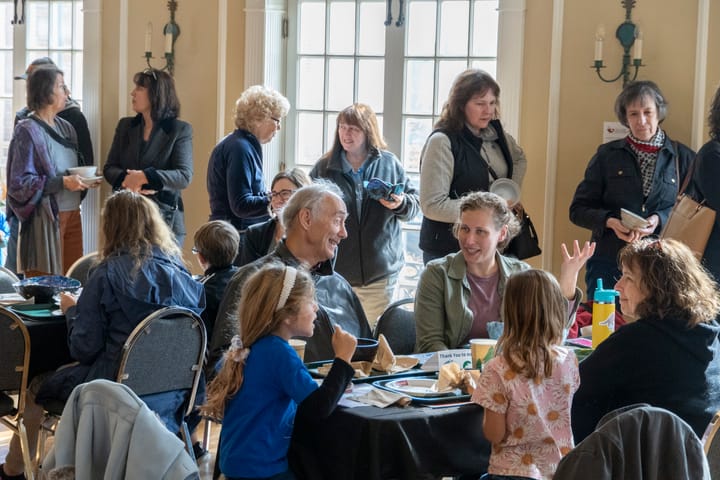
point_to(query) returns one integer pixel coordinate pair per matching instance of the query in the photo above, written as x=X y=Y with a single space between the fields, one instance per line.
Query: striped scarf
x=647 y=154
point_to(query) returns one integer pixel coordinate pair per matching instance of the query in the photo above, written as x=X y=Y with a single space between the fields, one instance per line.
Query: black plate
x=374 y=374
x=424 y=400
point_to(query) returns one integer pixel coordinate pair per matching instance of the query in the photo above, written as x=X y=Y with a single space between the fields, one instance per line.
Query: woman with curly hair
x=670 y=356
x=704 y=184
x=235 y=181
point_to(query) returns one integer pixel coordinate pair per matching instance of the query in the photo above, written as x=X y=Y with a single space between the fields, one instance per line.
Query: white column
x=92 y=95
x=511 y=37
x=553 y=134
x=265 y=53
x=701 y=58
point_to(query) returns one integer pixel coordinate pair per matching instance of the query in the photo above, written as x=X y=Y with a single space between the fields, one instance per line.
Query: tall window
x=52 y=28
x=344 y=54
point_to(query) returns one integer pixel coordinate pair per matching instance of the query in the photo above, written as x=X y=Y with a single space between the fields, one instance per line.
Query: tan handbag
x=690 y=222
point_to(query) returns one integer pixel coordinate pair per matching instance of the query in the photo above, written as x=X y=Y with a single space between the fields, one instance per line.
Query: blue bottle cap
x=604 y=296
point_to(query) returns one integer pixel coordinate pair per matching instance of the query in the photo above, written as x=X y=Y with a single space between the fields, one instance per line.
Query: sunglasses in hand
x=379 y=189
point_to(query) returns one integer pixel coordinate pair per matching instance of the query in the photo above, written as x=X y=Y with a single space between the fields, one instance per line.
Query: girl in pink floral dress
x=527 y=389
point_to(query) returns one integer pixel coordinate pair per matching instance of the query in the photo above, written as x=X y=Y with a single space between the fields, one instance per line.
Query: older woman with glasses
x=41 y=193
x=151 y=153
x=261 y=238
x=235 y=180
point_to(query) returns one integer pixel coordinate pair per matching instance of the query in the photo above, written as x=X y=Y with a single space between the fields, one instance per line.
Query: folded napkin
x=381 y=398
x=387 y=361
x=452 y=376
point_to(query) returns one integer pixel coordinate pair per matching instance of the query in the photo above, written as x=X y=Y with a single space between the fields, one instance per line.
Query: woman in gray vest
x=465 y=153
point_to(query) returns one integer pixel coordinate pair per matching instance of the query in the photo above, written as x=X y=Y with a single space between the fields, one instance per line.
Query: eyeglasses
x=195 y=250
x=150 y=72
x=276 y=120
x=283 y=194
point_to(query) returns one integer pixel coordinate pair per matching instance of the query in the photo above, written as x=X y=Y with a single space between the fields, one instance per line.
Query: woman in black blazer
x=151 y=152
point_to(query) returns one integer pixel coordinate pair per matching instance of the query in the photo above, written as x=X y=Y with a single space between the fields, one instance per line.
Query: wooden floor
x=205 y=465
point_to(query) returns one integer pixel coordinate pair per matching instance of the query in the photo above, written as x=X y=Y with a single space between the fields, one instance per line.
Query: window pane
x=342 y=28
x=330 y=127
x=447 y=71
x=78 y=31
x=489 y=66
x=372 y=31
x=341 y=80
x=421 y=29
x=415 y=133
x=419 y=81
x=311 y=81
x=309 y=138
x=484 y=42
x=6 y=31
x=36 y=33
x=6 y=81
x=371 y=83
x=312 y=28
x=61 y=25
x=454 y=21
x=76 y=85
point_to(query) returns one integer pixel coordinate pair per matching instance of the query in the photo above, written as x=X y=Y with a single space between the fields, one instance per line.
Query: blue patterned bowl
x=44 y=288
x=365 y=350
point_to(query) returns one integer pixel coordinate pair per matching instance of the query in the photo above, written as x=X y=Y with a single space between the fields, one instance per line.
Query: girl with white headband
x=263 y=382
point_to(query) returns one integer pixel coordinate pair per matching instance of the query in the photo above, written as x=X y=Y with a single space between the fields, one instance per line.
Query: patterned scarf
x=647 y=153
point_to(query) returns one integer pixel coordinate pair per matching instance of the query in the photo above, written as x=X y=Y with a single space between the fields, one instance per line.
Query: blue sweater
x=235 y=181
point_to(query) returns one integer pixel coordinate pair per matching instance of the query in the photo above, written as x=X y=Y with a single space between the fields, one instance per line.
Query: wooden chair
x=80 y=269
x=397 y=323
x=14 y=367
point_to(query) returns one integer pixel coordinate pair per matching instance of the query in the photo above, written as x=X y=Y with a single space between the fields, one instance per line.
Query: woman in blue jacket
x=370 y=258
x=641 y=173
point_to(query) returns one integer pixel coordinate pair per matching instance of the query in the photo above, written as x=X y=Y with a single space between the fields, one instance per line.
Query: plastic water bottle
x=603 y=313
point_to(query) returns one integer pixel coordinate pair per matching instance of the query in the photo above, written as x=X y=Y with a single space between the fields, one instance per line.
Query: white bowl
x=507 y=189
x=632 y=220
x=85 y=172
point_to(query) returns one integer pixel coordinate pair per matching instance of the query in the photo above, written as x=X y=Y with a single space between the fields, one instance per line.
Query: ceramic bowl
x=507 y=189
x=85 y=172
x=631 y=220
x=44 y=288
x=365 y=350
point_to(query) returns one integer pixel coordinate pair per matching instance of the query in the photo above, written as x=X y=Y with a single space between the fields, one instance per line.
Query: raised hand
x=572 y=264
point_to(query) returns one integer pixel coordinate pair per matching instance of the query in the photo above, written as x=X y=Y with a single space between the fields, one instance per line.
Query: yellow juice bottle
x=603 y=313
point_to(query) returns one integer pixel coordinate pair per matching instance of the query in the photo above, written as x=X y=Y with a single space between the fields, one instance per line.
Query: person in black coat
x=670 y=356
x=641 y=173
x=151 y=153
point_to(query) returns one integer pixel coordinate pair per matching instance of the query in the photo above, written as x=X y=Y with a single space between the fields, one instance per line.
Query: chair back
x=14 y=355
x=397 y=323
x=711 y=445
x=7 y=278
x=164 y=352
x=80 y=269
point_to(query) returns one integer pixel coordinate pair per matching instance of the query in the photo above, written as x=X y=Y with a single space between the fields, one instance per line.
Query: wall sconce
x=628 y=34
x=171 y=31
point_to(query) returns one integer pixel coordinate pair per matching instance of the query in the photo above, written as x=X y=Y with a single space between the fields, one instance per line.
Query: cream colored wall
x=585 y=102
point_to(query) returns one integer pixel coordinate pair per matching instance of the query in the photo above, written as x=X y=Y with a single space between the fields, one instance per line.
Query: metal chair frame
x=88 y=259
x=383 y=319
x=14 y=419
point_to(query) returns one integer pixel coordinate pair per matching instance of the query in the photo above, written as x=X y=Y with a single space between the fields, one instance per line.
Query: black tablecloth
x=48 y=344
x=368 y=443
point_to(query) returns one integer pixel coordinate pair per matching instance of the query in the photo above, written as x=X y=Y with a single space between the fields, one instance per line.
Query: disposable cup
x=479 y=349
x=299 y=346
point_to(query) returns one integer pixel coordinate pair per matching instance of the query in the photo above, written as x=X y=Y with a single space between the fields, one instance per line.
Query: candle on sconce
x=599 y=36
x=168 y=42
x=148 y=37
x=638 y=46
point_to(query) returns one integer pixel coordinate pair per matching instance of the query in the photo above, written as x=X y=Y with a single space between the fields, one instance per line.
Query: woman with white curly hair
x=235 y=181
